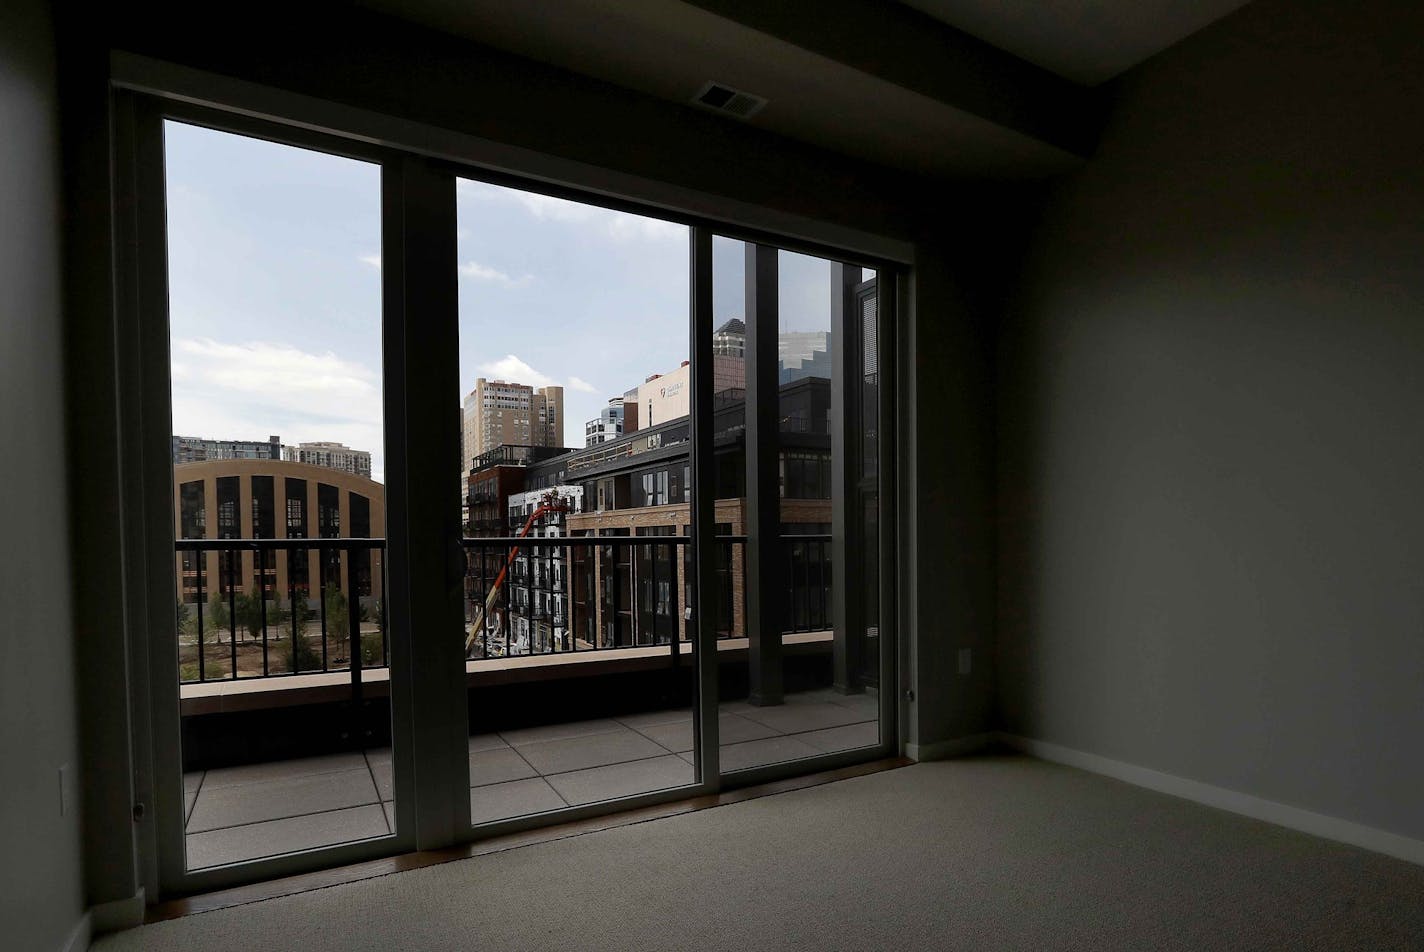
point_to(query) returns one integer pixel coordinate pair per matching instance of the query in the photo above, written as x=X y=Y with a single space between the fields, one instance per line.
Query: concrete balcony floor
x=235 y=814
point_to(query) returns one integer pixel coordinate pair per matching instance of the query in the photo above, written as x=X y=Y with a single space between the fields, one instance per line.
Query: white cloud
x=253 y=389
x=618 y=226
x=275 y=369
x=480 y=272
x=511 y=369
x=624 y=227
x=373 y=260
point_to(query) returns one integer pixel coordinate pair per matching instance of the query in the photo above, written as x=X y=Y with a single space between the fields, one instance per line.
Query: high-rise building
x=608 y=425
x=539 y=575
x=336 y=456
x=195 y=449
x=795 y=347
x=516 y=414
x=664 y=397
x=730 y=340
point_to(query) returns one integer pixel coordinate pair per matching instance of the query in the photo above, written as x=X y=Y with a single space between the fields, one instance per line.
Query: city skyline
x=275 y=296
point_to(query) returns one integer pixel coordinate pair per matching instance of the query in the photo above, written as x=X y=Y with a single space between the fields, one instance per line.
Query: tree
x=249 y=613
x=218 y=617
x=304 y=657
x=185 y=619
x=276 y=615
x=297 y=617
x=338 y=621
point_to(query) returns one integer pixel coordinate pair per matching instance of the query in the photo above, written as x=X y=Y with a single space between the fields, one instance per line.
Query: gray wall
x=1212 y=535
x=41 y=899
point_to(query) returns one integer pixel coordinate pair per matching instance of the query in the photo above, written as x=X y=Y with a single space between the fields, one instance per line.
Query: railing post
x=675 y=636
x=200 y=559
x=321 y=600
x=232 y=611
x=260 y=555
x=507 y=622
x=353 y=624
x=294 y=616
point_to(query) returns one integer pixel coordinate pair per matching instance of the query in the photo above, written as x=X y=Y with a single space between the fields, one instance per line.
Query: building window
x=805 y=475
x=298 y=569
x=264 y=526
x=228 y=528
x=361 y=529
x=192 y=524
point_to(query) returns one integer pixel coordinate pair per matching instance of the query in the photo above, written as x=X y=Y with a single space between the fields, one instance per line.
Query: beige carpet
x=994 y=852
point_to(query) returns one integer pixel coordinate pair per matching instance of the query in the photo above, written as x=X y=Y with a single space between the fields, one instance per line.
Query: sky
x=275 y=293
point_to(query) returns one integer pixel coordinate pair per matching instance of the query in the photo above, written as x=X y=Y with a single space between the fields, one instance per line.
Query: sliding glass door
x=253 y=286
x=797 y=465
x=481 y=506
x=575 y=412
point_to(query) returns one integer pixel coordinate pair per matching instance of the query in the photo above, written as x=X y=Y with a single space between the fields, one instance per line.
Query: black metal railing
x=623 y=592
x=808 y=582
x=616 y=592
x=239 y=628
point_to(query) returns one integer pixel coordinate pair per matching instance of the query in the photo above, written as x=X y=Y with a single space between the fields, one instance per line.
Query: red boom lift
x=550 y=502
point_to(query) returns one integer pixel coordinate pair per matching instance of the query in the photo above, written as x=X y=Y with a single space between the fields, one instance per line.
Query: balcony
x=281 y=756
x=314 y=801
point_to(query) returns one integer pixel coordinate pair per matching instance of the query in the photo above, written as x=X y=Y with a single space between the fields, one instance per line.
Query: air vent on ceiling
x=731 y=101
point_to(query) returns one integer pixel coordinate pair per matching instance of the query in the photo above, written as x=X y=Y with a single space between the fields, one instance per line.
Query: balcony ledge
x=249 y=694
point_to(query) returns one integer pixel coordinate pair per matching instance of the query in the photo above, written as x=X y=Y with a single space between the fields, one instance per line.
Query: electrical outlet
x=966 y=660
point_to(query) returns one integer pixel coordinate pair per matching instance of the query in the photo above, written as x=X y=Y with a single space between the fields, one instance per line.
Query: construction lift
x=550 y=502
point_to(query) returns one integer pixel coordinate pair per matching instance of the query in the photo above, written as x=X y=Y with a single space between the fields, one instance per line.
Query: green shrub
x=371 y=649
x=304 y=656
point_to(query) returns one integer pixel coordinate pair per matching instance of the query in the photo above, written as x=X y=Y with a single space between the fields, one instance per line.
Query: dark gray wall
x=1211 y=555
x=40 y=892
x=965 y=265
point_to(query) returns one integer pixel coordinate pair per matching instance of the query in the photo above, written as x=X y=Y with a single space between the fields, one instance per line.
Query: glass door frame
x=141 y=240
x=425 y=556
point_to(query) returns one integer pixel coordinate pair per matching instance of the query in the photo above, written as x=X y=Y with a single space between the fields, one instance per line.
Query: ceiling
x=875 y=109
x=1087 y=41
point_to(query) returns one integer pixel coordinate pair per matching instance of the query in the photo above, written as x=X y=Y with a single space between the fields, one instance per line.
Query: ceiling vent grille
x=725 y=99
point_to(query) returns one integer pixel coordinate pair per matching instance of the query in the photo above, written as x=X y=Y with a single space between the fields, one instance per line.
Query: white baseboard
x=79 y=936
x=1281 y=814
x=957 y=747
x=119 y=914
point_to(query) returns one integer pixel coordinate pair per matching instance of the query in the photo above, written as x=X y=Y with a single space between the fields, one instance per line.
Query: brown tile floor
x=241 y=813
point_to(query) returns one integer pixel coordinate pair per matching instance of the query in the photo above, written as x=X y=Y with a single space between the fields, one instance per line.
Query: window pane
x=809 y=688
x=575 y=403
x=275 y=329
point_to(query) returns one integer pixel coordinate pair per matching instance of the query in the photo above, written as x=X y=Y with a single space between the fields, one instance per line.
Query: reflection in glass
x=809 y=686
